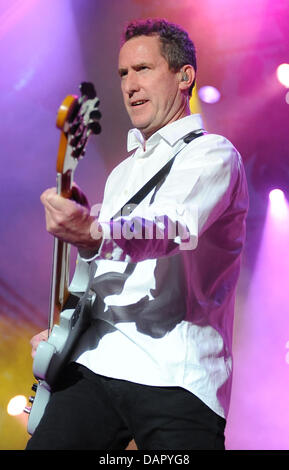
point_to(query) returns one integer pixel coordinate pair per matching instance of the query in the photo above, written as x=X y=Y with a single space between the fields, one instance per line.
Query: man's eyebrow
x=141 y=64
x=136 y=66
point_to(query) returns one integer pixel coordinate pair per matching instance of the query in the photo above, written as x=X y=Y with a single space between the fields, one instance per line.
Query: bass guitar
x=77 y=118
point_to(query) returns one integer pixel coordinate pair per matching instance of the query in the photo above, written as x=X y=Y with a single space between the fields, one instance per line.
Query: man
x=156 y=363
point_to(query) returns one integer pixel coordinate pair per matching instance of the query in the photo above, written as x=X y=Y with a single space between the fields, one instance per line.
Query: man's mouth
x=138 y=102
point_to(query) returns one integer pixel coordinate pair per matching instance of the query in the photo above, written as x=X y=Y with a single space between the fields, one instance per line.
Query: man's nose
x=131 y=83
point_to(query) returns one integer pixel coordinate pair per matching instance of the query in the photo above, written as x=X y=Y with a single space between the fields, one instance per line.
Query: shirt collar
x=171 y=133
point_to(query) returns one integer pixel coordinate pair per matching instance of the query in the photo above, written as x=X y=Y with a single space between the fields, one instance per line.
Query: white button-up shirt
x=166 y=273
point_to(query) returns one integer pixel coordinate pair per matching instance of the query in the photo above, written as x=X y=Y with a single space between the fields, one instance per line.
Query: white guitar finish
x=77 y=119
x=52 y=355
x=39 y=403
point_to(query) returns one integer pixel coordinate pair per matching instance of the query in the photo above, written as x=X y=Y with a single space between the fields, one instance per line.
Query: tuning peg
x=95 y=114
x=87 y=89
x=94 y=127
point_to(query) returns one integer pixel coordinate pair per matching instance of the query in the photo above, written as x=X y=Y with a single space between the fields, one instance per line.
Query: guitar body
x=52 y=356
x=77 y=119
x=41 y=399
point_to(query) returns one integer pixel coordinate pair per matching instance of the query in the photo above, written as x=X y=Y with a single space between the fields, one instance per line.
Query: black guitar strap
x=152 y=183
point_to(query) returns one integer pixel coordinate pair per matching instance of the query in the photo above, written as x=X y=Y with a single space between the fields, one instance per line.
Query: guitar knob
x=27 y=409
x=31 y=399
x=34 y=387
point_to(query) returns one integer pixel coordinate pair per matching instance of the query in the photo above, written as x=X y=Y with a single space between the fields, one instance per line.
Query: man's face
x=150 y=90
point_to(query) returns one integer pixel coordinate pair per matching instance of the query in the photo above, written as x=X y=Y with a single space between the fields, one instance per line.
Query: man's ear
x=186 y=77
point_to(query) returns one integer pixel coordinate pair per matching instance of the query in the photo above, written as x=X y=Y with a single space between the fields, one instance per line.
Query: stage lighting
x=283 y=74
x=278 y=204
x=277 y=196
x=209 y=94
x=16 y=405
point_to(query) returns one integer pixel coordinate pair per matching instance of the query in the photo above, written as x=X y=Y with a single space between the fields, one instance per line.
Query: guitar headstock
x=77 y=118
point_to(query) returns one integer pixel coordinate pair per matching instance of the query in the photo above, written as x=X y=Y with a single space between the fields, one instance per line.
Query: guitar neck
x=61 y=261
x=77 y=119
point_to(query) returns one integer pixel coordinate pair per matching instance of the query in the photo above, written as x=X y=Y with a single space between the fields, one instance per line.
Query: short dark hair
x=176 y=46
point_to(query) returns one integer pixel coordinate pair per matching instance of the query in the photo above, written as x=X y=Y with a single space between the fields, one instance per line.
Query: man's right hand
x=69 y=220
x=43 y=336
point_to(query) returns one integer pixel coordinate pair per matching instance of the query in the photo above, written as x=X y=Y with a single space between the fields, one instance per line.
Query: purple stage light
x=209 y=94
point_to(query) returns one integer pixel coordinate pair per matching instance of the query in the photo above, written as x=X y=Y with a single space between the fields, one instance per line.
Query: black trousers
x=89 y=411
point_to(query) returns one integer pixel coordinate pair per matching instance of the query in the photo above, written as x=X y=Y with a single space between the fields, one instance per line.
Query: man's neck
x=183 y=112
